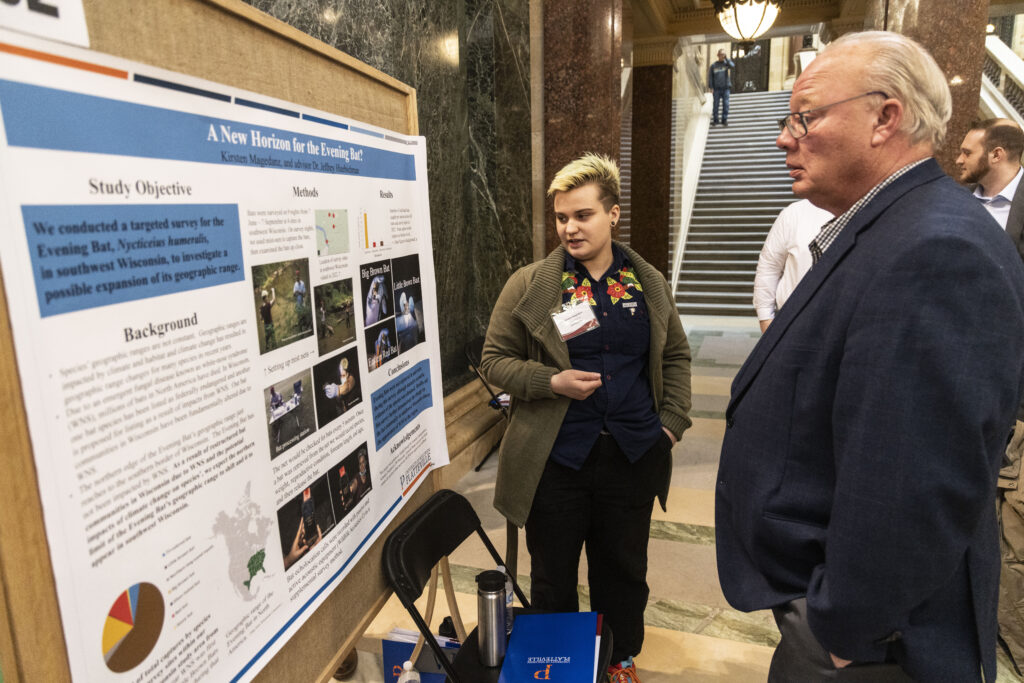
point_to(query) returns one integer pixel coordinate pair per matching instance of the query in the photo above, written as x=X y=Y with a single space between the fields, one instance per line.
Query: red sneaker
x=623 y=672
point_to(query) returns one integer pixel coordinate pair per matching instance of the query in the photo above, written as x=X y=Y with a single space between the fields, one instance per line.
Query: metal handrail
x=694 y=140
x=1002 y=82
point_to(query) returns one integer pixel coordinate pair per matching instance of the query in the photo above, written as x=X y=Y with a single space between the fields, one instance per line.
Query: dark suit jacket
x=1015 y=221
x=865 y=431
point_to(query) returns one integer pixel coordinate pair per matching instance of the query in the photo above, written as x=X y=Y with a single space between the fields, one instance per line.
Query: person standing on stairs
x=720 y=83
x=589 y=345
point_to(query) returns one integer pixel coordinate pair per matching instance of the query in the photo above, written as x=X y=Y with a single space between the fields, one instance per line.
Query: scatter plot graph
x=132 y=627
x=331 y=232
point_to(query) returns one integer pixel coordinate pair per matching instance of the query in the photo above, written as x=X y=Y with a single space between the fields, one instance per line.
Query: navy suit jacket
x=865 y=431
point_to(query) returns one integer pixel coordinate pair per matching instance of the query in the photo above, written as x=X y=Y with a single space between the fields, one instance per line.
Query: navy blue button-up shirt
x=623 y=405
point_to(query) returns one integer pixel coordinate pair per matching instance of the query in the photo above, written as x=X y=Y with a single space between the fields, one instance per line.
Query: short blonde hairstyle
x=904 y=70
x=590 y=168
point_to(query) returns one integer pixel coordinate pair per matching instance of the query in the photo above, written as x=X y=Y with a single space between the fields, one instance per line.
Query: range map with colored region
x=245 y=532
x=256 y=566
x=132 y=627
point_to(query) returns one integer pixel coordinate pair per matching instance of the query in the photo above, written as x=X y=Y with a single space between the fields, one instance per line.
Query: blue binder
x=558 y=647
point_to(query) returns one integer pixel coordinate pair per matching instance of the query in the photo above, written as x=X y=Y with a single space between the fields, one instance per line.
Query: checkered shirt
x=830 y=231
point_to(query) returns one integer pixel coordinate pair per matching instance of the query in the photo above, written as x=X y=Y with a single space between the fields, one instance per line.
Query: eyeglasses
x=796 y=123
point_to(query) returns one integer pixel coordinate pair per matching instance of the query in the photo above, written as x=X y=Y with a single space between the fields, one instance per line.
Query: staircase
x=742 y=188
x=625 y=173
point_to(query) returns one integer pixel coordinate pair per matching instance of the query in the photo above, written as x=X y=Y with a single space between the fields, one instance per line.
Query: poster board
x=220 y=41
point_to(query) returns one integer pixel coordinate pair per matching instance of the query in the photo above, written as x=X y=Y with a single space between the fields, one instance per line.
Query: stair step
x=715 y=309
x=732 y=286
x=722 y=236
x=698 y=246
x=743 y=298
x=732 y=267
x=740 y=197
x=709 y=275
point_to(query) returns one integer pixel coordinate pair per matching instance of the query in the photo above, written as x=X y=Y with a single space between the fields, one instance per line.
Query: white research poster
x=226 y=327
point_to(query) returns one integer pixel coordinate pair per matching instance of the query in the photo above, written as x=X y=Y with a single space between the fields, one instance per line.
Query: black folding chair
x=416 y=546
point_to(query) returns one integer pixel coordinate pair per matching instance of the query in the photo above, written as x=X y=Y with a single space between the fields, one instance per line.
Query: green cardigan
x=523 y=350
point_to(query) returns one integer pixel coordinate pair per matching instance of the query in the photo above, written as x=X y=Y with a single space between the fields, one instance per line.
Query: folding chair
x=412 y=552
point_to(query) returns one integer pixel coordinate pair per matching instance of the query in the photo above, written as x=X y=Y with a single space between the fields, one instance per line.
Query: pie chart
x=132 y=627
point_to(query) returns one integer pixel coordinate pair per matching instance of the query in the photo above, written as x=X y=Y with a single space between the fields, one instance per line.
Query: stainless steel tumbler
x=490 y=602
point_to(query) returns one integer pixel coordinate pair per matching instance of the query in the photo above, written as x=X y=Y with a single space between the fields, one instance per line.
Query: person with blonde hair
x=589 y=345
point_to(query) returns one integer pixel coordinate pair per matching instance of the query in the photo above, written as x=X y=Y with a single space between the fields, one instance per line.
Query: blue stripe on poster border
x=310 y=117
x=322 y=588
x=367 y=132
x=149 y=80
x=266 y=107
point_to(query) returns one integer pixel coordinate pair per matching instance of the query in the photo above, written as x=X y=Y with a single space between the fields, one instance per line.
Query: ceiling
x=654 y=19
x=660 y=18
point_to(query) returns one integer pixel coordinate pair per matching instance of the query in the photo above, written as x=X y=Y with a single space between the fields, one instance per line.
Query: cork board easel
x=228 y=42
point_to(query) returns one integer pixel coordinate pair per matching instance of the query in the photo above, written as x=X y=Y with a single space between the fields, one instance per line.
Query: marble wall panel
x=582 y=81
x=498 y=189
x=955 y=35
x=652 y=142
x=464 y=58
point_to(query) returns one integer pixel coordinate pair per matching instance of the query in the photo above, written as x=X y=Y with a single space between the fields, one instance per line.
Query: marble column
x=955 y=35
x=582 y=73
x=652 y=149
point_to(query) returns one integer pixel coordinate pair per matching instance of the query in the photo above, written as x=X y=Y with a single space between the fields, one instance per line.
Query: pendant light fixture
x=745 y=20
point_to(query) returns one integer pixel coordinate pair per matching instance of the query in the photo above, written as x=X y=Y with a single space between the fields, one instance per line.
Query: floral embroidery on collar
x=619 y=289
x=580 y=291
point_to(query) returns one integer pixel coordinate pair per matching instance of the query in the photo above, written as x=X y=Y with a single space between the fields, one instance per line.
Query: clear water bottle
x=490 y=602
x=409 y=674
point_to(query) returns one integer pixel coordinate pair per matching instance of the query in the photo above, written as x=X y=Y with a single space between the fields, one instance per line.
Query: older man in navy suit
x=865 y=430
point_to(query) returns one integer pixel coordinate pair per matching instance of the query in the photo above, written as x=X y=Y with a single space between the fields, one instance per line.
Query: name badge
x=575 y=319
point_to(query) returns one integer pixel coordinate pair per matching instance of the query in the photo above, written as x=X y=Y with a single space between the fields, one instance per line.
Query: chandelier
x=745 y=20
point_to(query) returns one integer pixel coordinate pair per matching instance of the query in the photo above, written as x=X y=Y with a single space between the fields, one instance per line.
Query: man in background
x=720 y=83
x=990 y=160
x=785 y=257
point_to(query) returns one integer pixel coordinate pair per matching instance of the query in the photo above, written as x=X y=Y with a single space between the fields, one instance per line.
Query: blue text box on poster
x=396 y=403
x=47 y=118
x=95 y=255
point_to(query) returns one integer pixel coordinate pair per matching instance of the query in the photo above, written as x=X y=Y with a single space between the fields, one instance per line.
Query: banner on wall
x=225 y=319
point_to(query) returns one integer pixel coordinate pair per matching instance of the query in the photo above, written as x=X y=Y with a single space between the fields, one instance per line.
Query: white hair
x=904 y=70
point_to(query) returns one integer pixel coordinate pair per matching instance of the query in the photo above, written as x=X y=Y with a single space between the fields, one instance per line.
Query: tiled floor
x=692 y=635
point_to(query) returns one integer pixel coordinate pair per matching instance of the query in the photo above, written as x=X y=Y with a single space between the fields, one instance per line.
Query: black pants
x=606 y=505
x=800 y=658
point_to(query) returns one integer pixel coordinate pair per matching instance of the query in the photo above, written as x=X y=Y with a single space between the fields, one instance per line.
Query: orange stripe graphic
x=63 y=61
